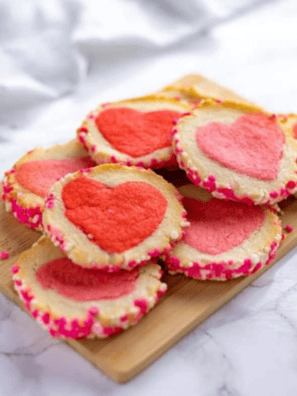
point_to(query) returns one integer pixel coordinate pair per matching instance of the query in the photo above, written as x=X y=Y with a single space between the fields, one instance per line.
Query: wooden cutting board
x=187 y=303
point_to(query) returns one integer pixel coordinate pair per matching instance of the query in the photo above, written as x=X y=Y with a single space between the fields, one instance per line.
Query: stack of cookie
x=107 y=216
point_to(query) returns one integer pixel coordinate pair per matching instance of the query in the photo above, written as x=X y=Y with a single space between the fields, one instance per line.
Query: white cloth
x=58 y=60
x=48 y=48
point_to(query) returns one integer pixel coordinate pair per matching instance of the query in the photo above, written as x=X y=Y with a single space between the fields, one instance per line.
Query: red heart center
x=218 y=226
x=117 y=218
x=39 y=176
x=136 y=133
x=252 y=145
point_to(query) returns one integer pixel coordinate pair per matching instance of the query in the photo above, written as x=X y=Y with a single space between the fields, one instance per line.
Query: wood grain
x=187 y=303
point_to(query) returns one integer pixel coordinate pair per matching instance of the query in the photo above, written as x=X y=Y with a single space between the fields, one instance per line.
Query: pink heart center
x=252 y=145
x=39 y=176
x=82 y=284
x=218 y=226
x=117 y=218
x=136 y=133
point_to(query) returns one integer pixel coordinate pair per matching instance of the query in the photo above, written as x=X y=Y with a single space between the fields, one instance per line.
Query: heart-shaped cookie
x=134 y=132
x=252 y=145
x=117 y=218
x=39 y=176
x=218 y=225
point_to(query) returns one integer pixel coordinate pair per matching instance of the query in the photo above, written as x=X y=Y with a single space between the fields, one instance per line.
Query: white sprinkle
x=255 y=258
x=174 y=234
x=35 y=219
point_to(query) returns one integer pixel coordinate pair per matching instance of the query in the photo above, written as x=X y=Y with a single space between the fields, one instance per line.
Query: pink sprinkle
x=159 y=294
x=109 y=331
x=219 y=101
x=4 y=255
x=15 y=269
x=81 y=139
x=273 y=194
x=53 y=332
x=289 y=228
x=177 y=97
x=142 y=304
x=49 y=204
x=291 y=184
x=83 y=130
x=93 y=311
x=125 y=317
x=256 y=268
x=132 y=263
x=45 y=318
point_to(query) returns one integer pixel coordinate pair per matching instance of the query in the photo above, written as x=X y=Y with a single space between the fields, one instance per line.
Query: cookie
x=26 y=185
x=75 y=302
x=133 y=132
x=289 y=121
x=225 y=239
x=195 y=87
x=237 y=152
x=113 y=216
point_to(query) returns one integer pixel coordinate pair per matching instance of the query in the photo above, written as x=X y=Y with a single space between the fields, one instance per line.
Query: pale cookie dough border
x=223 y=182
x=103 y=152
x=66 y=318
x=76 y=245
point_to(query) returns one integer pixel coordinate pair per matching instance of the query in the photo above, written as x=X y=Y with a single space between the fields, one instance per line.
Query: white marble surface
x=247 y=348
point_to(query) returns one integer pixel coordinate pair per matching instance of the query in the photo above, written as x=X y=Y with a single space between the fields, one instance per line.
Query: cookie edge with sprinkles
x=101 y=318
x=216 y=268
x=104 y=152
x=224 y=189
